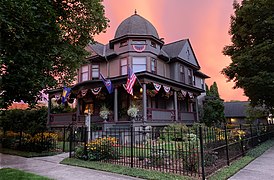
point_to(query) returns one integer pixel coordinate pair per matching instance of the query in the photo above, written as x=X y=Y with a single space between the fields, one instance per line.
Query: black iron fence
x=195 y=151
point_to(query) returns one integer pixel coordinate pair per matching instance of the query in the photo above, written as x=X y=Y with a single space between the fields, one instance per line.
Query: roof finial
x=135 y=12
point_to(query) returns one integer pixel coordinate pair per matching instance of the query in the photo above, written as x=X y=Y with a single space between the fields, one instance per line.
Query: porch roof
x=143 y=77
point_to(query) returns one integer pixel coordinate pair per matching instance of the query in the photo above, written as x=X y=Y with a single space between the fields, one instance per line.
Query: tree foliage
x=29 y=121
x=42 y=44
x=251 y=52
x=213 y=107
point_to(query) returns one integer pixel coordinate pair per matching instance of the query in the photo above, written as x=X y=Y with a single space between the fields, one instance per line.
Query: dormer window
x=138 y=42
x=182 y=73
x=123 y=43
x=153 y=44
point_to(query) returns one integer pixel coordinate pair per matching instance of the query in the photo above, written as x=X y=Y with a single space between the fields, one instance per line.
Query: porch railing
x=160 y=114
x=187 y=117
x=65 y=119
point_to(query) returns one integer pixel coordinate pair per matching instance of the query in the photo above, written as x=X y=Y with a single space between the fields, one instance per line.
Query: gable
x=188 y=55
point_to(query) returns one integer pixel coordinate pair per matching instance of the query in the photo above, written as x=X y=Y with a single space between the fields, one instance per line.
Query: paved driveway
x=50 y=167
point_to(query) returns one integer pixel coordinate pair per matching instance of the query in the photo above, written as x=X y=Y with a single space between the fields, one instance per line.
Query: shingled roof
x=136 y=25
x=236 y=109
x=173 y=49
x=101 y=49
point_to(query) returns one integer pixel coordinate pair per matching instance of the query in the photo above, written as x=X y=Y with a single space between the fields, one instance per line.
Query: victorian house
x=168 y=81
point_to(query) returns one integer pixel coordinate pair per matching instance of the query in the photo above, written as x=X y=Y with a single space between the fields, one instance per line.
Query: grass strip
x=26 y=154
x=237 y=165
x=15 y=174
x=140 y=173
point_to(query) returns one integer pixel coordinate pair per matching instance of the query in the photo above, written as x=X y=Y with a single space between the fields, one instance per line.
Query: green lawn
x=14 y=174
x=141 y=173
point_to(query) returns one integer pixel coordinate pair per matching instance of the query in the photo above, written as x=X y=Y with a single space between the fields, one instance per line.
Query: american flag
x=130 y=81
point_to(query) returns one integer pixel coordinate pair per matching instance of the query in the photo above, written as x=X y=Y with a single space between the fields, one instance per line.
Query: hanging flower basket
x=104 y=112
x=167 y=95
x=132 y=111
x=152 y=93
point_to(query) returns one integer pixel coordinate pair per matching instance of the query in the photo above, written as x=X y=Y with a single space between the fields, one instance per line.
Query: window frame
x=182 y=73
x=155 y=65
x=95 y=64
x=123 y=66
x=84 y=72
x=190 y=76
x=134 y=65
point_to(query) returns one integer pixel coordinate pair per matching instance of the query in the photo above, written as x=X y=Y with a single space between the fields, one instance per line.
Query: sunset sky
x=204 y=22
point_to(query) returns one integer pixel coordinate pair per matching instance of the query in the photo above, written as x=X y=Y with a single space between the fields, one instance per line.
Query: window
x=153 y=44
x=202 y=84
x=153 y=66
x=95 y=71
x=189 y=74
x=84 y=73
x=182 y=73
x=139 y=42
x=123 y=43
x=123 y=69
x=139 y=64
x=194 y=79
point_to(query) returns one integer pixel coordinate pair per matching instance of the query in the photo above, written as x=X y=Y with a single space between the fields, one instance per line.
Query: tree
x=254 y=113
x=42 y=44
x=251 y=52
x=213 y=107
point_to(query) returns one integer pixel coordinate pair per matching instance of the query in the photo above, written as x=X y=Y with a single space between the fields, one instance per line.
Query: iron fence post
x=251 y=135
x=131 y=146
x=70 y=141
x=64 y=139
x=241 y=142
x=226 y=146
x=202 y=152
x=85 y=142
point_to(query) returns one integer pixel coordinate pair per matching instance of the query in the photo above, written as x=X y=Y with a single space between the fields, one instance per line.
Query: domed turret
x=136 y=25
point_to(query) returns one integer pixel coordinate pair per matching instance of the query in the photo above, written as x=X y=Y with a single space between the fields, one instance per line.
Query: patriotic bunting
x=84 y=92
x=157 y=86
x=190 y=95
x=96 y=91
x=166 y=88
x=184 y=93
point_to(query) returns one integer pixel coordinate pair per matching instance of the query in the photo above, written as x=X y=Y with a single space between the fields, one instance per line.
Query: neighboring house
x=173 y=67
x=236 y=113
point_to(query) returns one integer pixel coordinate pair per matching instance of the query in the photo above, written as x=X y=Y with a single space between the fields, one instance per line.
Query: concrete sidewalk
x=260 y=169
x=50 y=167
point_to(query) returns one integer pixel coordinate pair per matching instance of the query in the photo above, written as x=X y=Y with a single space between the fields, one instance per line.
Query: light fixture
x=141 y=90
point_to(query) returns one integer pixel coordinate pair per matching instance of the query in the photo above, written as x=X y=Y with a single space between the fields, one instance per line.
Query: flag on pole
x=130 y=81
x=107 y=83
x=65 y=94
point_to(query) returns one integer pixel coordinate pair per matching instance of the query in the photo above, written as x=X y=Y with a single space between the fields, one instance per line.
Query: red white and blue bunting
x=84 y=92
x=184 y=93
x=166 y=88
x=157 y=86
x=139 y=47
x=190 y=95
x=96 y=91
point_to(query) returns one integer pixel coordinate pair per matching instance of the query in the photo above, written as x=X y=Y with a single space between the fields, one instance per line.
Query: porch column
x=145 y=102
x=176 y=105
x=115 y=104
x=49 y=108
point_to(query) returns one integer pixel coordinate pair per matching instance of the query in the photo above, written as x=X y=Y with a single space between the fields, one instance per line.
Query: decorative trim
x=139 y=47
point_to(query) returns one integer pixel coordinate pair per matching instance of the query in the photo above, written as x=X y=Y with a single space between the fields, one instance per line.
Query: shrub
x=174 y=132
x=157 y=156
x=103 y=148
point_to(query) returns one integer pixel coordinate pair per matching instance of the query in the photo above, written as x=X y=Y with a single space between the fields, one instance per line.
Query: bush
x=157 y=156
x=99 y=149
x=174 y=132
